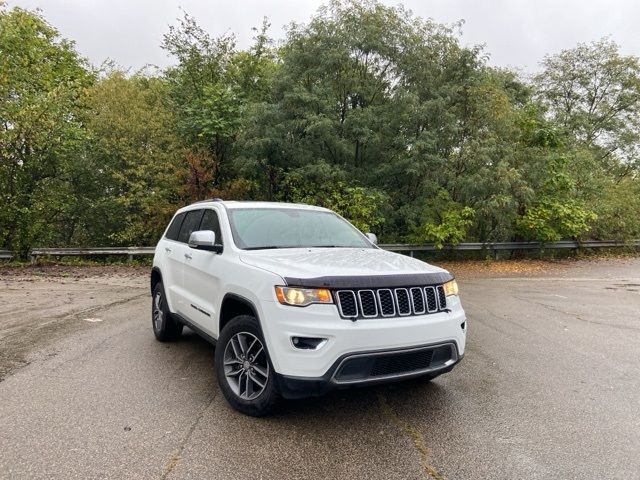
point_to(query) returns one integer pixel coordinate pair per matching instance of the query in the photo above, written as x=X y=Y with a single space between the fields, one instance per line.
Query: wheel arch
x=156 y=277
x=233 y=305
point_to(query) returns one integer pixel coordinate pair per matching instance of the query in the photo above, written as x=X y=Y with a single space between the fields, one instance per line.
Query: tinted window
x=210 y=222
x=174 y=228
x=191 y=224
x=255 y=228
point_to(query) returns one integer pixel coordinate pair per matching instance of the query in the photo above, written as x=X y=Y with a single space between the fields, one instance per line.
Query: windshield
x=260 y=228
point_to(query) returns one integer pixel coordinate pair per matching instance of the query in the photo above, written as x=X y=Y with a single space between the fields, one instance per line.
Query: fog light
x=308 y=343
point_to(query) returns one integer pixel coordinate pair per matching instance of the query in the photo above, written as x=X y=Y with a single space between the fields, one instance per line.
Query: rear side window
x=210 y=222
x=174 y=228
x=191 y=224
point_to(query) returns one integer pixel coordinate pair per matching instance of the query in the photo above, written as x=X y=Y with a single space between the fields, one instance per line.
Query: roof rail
x=216 y=199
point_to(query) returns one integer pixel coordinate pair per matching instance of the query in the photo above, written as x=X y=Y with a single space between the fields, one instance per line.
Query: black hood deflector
x=372 y=281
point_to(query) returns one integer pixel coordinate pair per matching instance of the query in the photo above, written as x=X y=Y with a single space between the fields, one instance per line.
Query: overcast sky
x=517 y=33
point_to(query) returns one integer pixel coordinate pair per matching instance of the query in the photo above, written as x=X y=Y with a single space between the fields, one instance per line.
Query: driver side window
x=210 y=222
x=190 y=224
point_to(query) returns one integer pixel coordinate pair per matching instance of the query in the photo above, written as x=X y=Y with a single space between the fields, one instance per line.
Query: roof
x=233 y=204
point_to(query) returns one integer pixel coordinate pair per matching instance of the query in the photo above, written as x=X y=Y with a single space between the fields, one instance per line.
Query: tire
x=243 y=368
x=165 y=327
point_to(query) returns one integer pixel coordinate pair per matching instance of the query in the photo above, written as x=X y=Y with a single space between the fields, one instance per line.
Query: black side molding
x=195 y=328
x=375 y=281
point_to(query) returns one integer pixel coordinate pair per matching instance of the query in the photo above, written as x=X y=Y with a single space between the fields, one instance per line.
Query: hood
x=345 y=267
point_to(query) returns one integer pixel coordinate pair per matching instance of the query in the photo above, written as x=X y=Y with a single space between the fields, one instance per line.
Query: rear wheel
x=243 y=367
x=165 y=327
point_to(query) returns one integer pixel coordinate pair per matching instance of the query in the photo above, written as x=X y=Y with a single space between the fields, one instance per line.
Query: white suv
x=299 y=301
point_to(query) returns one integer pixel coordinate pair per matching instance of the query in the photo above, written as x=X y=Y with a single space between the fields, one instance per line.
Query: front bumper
x=367 y=368
x=344 y=338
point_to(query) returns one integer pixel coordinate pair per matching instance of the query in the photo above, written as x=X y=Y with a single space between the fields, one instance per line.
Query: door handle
x=167 y=249
x=187 y=256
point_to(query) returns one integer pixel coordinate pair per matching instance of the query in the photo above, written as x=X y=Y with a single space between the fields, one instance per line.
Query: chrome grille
x=390 y=302
x=402 y=301
x=387 y=305
x=417 y=301
x=368 y=304
x=432 y=302
x=442 y=298
x=347 y=303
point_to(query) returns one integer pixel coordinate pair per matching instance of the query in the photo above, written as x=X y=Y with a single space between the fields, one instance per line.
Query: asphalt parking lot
x=549 y=388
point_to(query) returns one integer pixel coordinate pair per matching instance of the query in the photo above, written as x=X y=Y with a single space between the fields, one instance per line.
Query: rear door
x=172 y=265
x=202 y=282
x=181 y=253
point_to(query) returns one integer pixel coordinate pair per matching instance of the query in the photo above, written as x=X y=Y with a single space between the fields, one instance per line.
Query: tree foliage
x=366 y=109
x=42 y=82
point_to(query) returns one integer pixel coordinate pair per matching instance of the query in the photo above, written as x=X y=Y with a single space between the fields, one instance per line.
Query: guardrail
x=90 y=252
x=5 y=255
x=493 y=247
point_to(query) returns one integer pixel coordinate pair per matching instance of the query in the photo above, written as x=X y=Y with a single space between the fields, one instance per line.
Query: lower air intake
x=369 y=367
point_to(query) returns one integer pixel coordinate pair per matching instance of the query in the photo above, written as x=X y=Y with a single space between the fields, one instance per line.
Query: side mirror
x=204 y=240
x=372 y=238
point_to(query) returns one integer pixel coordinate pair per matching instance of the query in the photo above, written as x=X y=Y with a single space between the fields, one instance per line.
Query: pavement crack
x=414 y=435
x=76 y=315
x=176 y=456
x=79 y=313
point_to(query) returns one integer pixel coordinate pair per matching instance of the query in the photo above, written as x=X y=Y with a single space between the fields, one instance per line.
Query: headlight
x=450 y=288
x=301 y=297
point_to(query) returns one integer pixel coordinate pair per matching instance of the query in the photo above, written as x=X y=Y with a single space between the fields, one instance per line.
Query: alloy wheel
x=158 y=313
x=246 y=366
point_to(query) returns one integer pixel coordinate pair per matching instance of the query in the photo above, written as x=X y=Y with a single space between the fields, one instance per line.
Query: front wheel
x=243 y=368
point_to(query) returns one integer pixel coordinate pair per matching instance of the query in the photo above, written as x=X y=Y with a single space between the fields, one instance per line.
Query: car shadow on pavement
x=417 y=395
x=408 y=395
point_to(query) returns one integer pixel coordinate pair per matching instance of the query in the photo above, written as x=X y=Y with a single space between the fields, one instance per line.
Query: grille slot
x=442 y=298
x=347 y=303
x=368 y=304
x=417 y=301
x=387 y=305
x=402 y=300
x=432 y=302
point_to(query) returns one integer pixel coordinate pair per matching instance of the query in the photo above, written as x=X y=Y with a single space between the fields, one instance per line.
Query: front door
x=202 y=281
x=182 y=254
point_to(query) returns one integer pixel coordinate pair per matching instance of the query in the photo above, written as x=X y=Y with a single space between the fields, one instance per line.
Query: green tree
x=556 y=213
x=133 y=142
x=211 y=85
x=593 y=92
x=42 y=81
x=361 y=206
x=366 y=109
